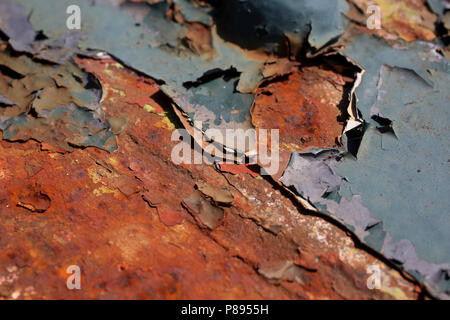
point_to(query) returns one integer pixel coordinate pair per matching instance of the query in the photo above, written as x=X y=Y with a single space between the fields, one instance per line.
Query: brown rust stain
x=240 y=169
x=304 y=107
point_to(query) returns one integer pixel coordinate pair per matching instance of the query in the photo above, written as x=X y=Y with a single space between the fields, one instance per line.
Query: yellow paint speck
x=104 y=189
x=149 y=108
x=165 y=123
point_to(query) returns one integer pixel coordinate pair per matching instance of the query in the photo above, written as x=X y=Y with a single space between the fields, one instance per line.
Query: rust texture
x=301 y=104
x=130 y=220
x=87 y=178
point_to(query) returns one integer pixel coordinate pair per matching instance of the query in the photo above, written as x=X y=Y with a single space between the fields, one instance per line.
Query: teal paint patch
x=158 y=51
x=55 y=104
x=403 y=179
x=234 y=110
x=15 y=25
x=64 y=127
x=193 y=13
x=159 y=45
x=376 y=237
x=438 y=6
x=314 y=177
x=267 y=24
x=400 y=175
x=371 y=53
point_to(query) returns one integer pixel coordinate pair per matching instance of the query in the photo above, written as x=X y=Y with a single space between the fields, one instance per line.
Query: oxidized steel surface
x=88 y=179
x=119 y=216
x=304 y=107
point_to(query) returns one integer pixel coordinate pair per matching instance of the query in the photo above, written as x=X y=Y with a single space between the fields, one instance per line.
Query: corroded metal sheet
x=128 y=219
x=396 y=184
x=195 y=82
x=51 y=104
x=255 y=24
x=87 y=119
x=164 y=55
x=303 y=106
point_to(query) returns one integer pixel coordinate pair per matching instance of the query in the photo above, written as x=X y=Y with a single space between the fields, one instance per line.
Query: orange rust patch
x=120 y=85
x=170 y=217
x=240 y=169
x=304 y=107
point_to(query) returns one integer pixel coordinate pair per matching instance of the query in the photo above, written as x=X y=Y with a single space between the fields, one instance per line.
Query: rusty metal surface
x=86 y=123
x=120 y=217
x=302 y=104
